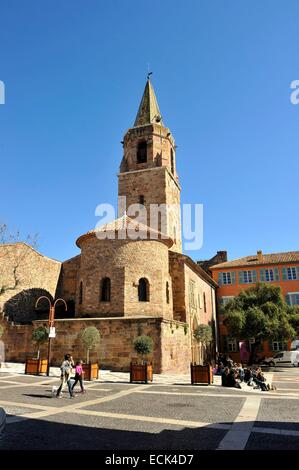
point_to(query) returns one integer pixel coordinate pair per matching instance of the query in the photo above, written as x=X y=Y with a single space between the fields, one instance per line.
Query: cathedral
x=130 y=277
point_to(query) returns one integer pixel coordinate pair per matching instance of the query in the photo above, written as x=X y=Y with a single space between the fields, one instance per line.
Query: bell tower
x=148 y=171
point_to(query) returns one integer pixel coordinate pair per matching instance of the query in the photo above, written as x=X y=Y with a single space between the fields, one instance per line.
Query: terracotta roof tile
x=253 y=260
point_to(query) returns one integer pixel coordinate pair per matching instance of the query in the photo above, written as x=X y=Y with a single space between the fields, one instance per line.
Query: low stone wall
x=115 y=351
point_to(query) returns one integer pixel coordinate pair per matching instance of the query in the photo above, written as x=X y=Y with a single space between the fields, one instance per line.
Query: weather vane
x=148 y=72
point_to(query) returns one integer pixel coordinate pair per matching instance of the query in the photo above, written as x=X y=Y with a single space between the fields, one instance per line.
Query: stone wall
x=124 y=262
x=69 y=278
x=115 y=350
x=26 y=274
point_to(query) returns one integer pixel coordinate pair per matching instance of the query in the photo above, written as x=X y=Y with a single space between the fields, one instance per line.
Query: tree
x=90 y=337
x=293 y=316
x=203 y=334
x=143 y=345
x=260 y=312
x=39 y=336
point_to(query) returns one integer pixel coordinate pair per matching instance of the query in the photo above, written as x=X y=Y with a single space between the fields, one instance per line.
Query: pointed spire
x=148 y=111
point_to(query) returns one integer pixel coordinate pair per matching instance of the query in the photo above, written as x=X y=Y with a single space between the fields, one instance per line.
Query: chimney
x=259 y=255
x=221 y=256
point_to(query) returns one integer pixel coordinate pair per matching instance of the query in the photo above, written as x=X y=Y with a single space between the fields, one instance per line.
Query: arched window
x=81 y=293
x=171 y=161
x=167 y=292
x=143 y=290
x=106 y=289
x=142 y=152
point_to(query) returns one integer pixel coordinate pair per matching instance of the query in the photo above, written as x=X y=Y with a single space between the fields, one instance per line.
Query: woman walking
x=79 y=375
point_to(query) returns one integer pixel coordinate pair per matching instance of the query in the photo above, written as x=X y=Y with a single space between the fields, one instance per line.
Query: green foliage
x=203 y=333
x=294 y=320
x=40 y=335
x=259 y=312
x=1 y=330
x=89 y=338
x=143 y=344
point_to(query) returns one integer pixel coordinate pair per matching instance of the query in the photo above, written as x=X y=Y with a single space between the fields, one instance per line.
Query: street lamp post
x=51 y=322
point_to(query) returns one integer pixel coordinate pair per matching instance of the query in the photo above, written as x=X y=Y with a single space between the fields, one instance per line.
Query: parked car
x=283 y=358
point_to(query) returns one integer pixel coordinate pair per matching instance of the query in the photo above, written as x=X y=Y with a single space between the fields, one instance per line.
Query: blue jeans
x=65 y=381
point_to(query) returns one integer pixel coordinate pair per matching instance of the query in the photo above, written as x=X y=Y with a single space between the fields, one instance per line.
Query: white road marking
x=268 y=395
x=238 y=435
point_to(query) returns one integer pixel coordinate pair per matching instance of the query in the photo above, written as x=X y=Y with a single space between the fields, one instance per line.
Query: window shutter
x=297 y=272
x=241 y=277
x=276 y=274
x=262 y=275
x=284 y=274
x=233 y=277
x=288 y=299
x=254 y=275
x=220 y=279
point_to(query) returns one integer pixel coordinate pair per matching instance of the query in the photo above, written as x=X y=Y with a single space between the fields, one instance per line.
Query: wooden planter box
x=141 y=372
x=36 y=366
x=91 y=371
x=201 y=374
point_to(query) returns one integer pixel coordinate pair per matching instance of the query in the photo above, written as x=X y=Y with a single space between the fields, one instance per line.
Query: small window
x=143 y=290
x=247 y=277
x=105 y=289
x=292 y=298
x=172 y=161
x=225 y=299
x=278 y=346
x=141 y=199
x=226 y=278
x=292 y=273
x=81 y=293
x=269 y=275
x=142 y=152
x=231 y=345
x=204 y=302
x=167 y=292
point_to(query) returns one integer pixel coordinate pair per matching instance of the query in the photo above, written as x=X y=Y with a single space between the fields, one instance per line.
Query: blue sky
x=74 y=73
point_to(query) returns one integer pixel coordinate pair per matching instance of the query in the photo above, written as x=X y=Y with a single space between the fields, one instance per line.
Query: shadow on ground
x=33 y=434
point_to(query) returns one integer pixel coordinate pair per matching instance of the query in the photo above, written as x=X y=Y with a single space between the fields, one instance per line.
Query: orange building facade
x=279 y=269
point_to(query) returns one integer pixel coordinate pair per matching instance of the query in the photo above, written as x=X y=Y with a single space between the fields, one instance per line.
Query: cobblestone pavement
x=168 y=414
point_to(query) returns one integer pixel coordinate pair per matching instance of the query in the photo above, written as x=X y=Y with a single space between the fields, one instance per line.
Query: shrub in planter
x=89 y=338
x=39 y=336
x=37 y=365
x=143 y=345
x=143 y=372
x=203 y=334
x=202 y=373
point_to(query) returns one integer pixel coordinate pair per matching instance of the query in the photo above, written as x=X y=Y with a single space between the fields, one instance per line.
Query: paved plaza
x=169 y=414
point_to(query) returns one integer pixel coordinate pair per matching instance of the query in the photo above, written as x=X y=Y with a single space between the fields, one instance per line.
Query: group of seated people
x=233 y=374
